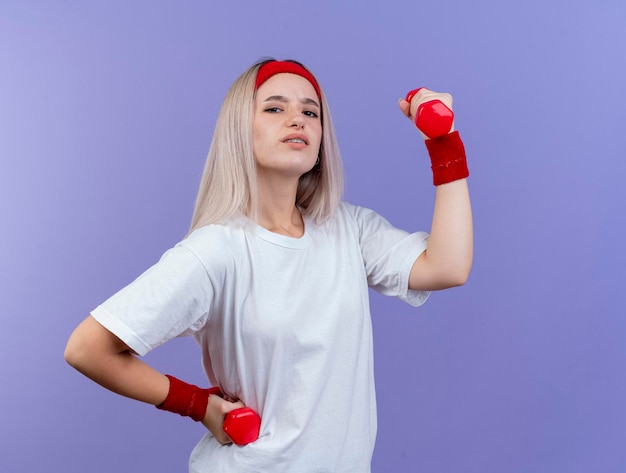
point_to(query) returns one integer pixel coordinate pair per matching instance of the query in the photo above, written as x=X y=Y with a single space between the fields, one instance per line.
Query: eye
x=273 y=109
x=311 y=113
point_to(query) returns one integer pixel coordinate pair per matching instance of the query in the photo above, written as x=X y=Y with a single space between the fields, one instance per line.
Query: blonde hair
x=229 y=180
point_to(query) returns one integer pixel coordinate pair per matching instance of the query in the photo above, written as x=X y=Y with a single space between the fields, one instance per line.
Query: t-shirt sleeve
x=170 y=299
x=389 y=254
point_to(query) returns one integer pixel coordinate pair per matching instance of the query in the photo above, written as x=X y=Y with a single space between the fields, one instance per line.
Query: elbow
x=81 y=347
x=90 y=345
x=75 y=352
x=461 y=271
x=458 y=277
x=435 y=275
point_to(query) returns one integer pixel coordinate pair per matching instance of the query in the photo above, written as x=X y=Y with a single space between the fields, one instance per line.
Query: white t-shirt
x=284 y=325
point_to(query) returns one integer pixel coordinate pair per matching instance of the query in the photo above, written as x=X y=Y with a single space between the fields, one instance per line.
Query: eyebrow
x=280 y=98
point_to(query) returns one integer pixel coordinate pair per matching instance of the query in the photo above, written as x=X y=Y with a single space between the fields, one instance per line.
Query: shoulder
x=350 y=219
x=359 y=215
x=350 y=211
x=212 y=235
x=213 y=245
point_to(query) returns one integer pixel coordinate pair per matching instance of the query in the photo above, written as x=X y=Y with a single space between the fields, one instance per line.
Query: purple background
x=106 y=115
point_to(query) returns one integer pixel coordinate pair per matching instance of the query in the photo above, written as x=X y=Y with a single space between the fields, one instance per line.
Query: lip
x=296 y=136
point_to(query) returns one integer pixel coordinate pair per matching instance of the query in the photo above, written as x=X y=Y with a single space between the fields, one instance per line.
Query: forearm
x=447 y=260
x=450 y=245
x=103 y=358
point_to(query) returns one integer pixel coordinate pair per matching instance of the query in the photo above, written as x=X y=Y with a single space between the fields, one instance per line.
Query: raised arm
x=447 y=260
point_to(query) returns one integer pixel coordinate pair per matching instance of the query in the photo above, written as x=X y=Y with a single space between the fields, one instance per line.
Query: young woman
x=272 y=282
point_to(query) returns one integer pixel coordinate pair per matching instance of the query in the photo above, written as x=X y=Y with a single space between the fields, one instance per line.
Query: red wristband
x=447 y=157
x=186 y=399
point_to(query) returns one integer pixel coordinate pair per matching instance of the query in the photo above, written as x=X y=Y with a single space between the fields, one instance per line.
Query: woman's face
x=287 y=125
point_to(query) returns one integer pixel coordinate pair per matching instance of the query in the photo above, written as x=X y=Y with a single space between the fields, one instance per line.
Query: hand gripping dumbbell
x=242 y=425
x=433 y=118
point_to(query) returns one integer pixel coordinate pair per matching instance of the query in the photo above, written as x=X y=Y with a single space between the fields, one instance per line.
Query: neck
x=277 y=206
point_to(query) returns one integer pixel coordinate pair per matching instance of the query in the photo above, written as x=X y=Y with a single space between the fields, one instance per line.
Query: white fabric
x=284 y=325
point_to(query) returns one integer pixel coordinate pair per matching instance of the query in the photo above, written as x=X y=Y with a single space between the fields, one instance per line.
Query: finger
x=224 y=439
x=235 y=405
x=417 y=100
x=404 y=107
x=445 y=98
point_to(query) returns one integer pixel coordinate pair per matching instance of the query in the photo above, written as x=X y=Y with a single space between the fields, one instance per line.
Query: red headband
x=272 y=68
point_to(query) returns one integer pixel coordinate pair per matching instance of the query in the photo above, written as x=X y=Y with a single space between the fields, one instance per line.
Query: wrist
x=186 y=399
x=448 y=160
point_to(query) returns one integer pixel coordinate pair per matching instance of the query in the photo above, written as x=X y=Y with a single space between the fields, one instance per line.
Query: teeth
x=295 y=140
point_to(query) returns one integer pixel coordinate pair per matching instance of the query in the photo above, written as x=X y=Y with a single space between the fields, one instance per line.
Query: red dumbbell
x=242 y=425
x=433 y=118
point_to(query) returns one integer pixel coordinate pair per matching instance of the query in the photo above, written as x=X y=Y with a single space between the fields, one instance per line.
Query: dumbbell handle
x=433 y=118
x=242 y=425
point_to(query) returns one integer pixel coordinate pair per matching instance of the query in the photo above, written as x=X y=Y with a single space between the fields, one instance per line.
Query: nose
x=296 y=120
